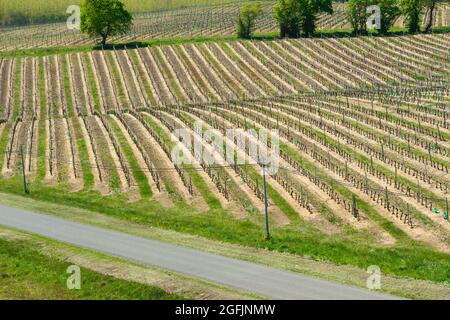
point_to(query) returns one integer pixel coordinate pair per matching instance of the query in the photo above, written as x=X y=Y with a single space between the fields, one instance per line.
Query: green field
x=26 y=273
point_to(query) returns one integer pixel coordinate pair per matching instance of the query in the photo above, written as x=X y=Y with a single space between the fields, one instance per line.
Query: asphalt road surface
x=259 y=279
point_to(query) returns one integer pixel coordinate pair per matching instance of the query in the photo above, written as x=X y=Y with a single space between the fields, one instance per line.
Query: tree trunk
x=104 y=36
x=430 y=19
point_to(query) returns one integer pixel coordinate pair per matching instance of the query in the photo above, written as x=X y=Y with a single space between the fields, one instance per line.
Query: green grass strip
x=17 y=89
x=91 y=79
x=140 y=72
x=29 y=274
x=67 y=87
x=139 y=176
x=167 y=74
x=115 y=72
x=83 y=153
x=42 y=127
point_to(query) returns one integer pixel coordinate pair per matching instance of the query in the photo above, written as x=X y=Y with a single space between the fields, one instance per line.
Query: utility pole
x=265 y=203
x=25 y=188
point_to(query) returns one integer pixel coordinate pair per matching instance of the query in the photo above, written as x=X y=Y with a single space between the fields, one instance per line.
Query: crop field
x=38 y=11
x=188 y=22
x=159 y=135
x=185 y=22
x=363 y=123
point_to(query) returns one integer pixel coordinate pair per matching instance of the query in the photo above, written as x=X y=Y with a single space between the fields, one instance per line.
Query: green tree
x=412 y=10
x=390 y=11
x=246 y=19
x=309 y=10
x=104 y=18
x=358 y=16
x=294 y=16
x=287 y=13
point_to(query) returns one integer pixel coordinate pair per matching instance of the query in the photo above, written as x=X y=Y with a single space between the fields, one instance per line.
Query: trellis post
x=25 y=187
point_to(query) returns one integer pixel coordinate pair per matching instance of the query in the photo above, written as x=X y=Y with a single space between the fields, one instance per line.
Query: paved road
x=265 y=281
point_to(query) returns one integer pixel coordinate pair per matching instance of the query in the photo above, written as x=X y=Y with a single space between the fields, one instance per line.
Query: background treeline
x=295 y=17
x=412 y=10
x=298 y=17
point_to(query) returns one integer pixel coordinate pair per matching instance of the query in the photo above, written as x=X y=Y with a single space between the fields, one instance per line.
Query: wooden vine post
x=25 y=187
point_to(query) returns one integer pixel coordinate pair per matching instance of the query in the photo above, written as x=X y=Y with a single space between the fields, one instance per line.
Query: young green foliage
x=294 y=16
x=412 y=10
x=358 y=15
x=104 y=18
x=245 y=21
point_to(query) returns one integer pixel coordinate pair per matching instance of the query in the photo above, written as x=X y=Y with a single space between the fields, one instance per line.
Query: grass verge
x=26 y=273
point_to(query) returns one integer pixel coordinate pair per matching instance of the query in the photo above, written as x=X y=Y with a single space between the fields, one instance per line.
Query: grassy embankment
x=26 y=273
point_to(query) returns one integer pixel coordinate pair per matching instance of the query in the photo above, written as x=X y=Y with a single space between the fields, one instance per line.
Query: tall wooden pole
x=266 y=204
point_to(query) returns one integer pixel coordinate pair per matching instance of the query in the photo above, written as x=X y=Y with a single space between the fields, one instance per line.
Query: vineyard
x=363 y=122
x=38 y=11
x=185 y=22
